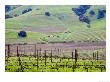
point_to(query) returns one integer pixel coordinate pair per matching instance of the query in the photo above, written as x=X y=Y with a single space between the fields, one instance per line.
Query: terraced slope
x=62 y=25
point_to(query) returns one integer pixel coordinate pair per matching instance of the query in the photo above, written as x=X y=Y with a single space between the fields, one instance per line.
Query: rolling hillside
x=62 y=25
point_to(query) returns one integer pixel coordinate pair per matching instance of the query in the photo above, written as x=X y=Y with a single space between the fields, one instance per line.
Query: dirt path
x=64 y=46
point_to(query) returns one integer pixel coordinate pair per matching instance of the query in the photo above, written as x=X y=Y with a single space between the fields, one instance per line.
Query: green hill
x=62 y=25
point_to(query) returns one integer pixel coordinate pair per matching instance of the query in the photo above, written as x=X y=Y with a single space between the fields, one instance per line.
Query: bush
x=47 y=13
x=85 y=7
x=84 y=19
x=92 y=13
x=79 y=11
x=22 y=34
x=7 y=8
x=29 y=9
x=24 y=11
x=104 y=11
x=101 y=14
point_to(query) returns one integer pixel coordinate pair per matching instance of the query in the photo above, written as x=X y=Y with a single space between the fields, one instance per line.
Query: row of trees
x=26 y=10
x=80 y=11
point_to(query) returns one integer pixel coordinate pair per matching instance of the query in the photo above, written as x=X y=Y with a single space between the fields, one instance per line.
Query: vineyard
x=40 y=58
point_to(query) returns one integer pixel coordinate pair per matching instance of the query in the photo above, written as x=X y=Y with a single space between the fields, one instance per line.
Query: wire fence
x=52 y=59
x=24 y=50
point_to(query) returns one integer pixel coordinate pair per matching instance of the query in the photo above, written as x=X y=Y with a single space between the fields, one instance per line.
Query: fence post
x=17 y=52
x=45 y=56
x=8 y=50
x=5 y=53
x=93 y=55
x=40 y=52
x=97 y=55
x=58 y=51
x=37 y=60
x=76 y=55
x=35 y=51
x=51 y=55
x=72 y=54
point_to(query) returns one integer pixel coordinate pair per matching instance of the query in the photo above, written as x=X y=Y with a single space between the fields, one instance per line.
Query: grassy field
x=32 y=64
x=61 y=17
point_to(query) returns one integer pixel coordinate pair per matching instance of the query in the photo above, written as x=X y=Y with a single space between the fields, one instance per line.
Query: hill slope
x=62 y=24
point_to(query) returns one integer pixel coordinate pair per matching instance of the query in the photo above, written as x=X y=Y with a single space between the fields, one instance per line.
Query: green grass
x=30 y=65
x=61 y=16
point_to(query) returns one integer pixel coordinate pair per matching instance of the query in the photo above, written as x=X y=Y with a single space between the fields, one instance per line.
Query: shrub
x=47 y=14
x=104 y=11
x=22 y=34
x=84 y=19
x=7 y=8
x=92 y=13
x=101 y=14
x=79 y=11
x=85 y=7
x=24 y=11
x=29 y=9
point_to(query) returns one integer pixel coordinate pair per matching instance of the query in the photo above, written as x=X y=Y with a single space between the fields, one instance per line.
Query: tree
x=7 y=8
x=85 y=7
x=24 y=11
x=22 y=34
x=29 y=9
x=84 y=19
x=79 y=11
x=92 y=13
x=47 y=13
x=101 y=14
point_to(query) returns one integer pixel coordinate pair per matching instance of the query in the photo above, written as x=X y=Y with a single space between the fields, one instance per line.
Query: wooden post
x=97 y=55
x=35 y=51
x=37 y=60
x=93 y=55
x=72 y=54
x=58 y=51
x=86 y=69
x=73 y=67
x=76 y=55
x=101 y=69
x=17 y=52
x=8 y=50
x=5 y=53
x=40 y=52
x=51 y=56
x=45 y=56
